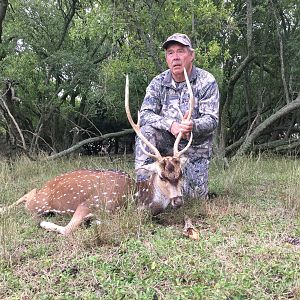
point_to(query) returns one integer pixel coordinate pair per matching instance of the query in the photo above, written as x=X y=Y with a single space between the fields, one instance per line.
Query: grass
x=248 y=247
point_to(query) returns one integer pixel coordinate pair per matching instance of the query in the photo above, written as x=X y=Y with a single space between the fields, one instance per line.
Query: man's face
x=179 y=56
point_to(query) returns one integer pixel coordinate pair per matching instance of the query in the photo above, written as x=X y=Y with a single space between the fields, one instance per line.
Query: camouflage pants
x=195 y=171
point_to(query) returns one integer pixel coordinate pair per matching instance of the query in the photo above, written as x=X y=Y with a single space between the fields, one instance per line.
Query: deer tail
x=27 y=197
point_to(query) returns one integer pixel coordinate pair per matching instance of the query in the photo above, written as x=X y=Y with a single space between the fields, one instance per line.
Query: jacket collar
x=168 y=78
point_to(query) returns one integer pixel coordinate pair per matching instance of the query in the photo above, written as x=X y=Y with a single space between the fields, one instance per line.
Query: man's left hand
x=186 y=126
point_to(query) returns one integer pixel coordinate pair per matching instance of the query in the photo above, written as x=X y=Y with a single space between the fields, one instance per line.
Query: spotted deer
x=83 y=192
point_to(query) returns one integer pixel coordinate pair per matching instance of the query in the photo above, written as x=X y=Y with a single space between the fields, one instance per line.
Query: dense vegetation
x=62 y=67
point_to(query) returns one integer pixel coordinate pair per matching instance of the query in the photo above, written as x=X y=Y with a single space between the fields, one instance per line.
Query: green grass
x=242 y=252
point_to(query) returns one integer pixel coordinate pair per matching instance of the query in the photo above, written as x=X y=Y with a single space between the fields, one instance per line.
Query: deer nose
x=176 y=202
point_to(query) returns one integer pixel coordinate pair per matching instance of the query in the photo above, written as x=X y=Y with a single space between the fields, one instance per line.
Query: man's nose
x=175 y=55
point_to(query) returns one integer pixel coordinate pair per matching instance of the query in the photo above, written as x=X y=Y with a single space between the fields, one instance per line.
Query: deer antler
x=136 y=127
x=178 y=153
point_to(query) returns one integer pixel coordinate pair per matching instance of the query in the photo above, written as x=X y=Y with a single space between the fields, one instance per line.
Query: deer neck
x=150 y=196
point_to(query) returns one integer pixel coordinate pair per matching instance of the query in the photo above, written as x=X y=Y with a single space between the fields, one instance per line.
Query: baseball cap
x=179 y=38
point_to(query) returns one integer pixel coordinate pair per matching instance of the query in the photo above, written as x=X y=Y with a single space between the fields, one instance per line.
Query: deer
x=81 y=193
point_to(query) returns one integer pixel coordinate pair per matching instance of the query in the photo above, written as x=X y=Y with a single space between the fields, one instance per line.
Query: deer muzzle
x=177 y=202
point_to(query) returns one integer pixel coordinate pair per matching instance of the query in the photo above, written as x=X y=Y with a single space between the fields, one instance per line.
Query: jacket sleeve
x=151 y=107
x=208 y=118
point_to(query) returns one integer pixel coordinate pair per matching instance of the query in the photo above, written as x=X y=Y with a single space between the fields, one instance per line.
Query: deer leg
x=79 y=216
x=89 y=219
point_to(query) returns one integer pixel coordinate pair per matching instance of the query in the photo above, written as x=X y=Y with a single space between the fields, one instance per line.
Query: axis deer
x=83 y=192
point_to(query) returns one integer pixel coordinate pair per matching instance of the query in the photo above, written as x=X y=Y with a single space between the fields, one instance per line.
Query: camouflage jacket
x=164 y=98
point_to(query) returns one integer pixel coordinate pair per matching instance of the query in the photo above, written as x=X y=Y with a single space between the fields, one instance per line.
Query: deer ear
x=148 y=169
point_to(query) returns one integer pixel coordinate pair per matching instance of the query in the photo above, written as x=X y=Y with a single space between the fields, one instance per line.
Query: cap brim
x=165 y=44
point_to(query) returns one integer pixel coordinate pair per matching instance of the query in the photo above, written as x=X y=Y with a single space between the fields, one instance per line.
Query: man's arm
x=208 y=120
x=151 y=108
x=209 y=111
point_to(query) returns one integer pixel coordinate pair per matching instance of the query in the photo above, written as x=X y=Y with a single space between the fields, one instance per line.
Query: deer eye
x=162 y=178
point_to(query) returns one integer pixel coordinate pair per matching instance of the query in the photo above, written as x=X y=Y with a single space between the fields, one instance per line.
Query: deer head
x=165 y=184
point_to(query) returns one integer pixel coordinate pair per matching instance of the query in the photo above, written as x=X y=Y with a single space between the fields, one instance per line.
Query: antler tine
x=192 y=98
x=191 y=108
x=136 y=127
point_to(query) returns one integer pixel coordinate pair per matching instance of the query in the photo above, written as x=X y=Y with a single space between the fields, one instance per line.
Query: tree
x=67 y=62
x=256 y=77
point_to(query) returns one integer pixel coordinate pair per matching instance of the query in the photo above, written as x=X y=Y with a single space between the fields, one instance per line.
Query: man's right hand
x=176 y=128
x=185 y=127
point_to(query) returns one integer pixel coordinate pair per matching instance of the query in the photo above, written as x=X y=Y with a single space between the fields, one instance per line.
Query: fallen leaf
x=190 y=230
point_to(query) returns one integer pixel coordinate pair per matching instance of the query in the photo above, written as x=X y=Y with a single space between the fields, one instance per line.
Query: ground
x=248 y=246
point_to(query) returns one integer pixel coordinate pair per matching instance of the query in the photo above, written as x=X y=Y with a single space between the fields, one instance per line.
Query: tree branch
x=260 y=128
x=67 y=18
x=281 y=51
x=3 y=8
x=90 y=140
x=14 y=122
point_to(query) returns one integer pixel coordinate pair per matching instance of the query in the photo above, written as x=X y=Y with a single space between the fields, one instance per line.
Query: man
x=167 y=100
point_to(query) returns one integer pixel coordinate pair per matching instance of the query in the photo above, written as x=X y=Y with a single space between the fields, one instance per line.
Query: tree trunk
x=233 y=79
x=3 y=8
x=288 y=108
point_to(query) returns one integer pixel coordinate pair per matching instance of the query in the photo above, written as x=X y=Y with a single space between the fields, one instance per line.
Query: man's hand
x=185 y=127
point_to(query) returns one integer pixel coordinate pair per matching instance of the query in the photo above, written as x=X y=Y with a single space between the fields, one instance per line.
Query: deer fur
x=82 y=193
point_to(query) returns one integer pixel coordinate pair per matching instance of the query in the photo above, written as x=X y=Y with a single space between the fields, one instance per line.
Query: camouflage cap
x=177 y=38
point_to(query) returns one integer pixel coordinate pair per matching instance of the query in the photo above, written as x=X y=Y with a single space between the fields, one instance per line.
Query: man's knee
x=161 y=139
x=196 y=177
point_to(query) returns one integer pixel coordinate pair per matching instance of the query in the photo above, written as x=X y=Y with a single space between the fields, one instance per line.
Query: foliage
x=68 y=60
